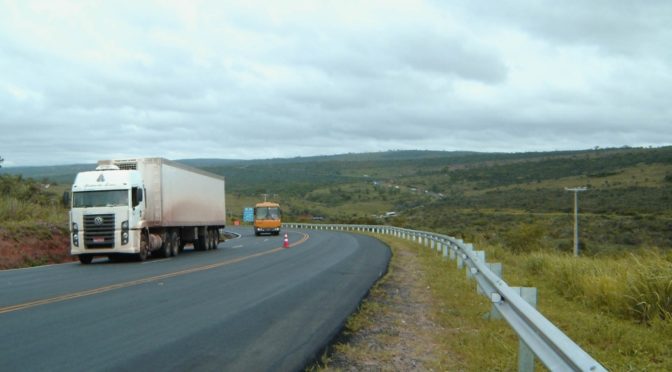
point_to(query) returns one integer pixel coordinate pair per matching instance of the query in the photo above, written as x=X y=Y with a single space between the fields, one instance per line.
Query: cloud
x=83 y=81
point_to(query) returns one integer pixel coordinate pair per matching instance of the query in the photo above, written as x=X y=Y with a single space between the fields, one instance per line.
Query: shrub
x=650 y=289
x=524 y=238
x=636 y=286
x=535 y=264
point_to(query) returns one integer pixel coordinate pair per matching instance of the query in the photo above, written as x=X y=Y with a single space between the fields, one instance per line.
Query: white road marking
x=153 y=261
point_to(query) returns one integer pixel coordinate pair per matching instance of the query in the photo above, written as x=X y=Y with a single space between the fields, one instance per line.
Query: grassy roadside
x=33 y=224
x=423 y=315
x=455 y=334
x=617 y=308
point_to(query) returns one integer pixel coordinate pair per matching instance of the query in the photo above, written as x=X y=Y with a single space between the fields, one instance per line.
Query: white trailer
x=144 y=206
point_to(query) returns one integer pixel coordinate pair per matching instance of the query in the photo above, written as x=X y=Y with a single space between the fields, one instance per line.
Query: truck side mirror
x=136 y=195
x=66 y=199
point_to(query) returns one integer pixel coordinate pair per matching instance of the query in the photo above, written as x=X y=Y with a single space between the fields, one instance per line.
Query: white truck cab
x=107 y=209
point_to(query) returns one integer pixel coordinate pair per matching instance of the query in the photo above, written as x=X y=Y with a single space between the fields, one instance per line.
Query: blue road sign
x=248 y=215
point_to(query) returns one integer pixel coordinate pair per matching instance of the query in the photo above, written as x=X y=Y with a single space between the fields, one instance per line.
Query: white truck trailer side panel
x=179 y=195
x=191 y=197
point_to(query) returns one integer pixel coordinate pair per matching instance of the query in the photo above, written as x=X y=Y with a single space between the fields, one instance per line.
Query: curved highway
x=250 y=305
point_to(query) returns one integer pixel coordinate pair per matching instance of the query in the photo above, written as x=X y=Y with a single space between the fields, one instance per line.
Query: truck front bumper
x=132 y=247
x=261 y=230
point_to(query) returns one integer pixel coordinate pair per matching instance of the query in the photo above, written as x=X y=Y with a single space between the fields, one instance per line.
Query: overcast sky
x=84 y=80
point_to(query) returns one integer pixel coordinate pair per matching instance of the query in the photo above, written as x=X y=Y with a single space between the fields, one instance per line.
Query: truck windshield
x=268 y=213
x=111 y=198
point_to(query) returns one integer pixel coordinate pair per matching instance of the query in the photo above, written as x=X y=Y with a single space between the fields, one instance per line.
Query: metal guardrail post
x=525 y=354
x=496 y=268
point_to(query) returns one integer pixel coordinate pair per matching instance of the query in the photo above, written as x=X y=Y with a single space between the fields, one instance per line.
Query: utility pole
x=576 y=191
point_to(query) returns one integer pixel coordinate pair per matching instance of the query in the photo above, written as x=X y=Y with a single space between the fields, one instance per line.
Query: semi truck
x=143 y=207
x=267 y=218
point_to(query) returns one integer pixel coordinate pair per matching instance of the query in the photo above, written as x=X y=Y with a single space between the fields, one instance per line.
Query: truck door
x=138 y=204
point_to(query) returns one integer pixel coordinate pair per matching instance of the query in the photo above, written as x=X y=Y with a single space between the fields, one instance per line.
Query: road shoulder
x=395 y=328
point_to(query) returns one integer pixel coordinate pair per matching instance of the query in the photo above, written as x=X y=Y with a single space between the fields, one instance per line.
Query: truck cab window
x=136 y=195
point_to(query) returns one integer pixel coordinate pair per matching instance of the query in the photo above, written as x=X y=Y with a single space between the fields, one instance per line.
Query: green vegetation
x=26 y=202
x=612 y=307
x=33 y=224
x=464 y=194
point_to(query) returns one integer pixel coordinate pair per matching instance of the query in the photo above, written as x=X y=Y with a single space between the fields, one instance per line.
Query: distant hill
x=459 y=193
x=55 y=173
x=495 y=168
x=66 y=173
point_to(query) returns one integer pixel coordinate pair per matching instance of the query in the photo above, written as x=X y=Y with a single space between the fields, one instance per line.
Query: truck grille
x=99 y=231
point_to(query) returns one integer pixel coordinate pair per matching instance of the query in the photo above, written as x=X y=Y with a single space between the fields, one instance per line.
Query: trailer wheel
x=201 y=242
x=211 y=240
x=175 y=243
x=166 y=247
x=215 y=238
x=85 y=259
x=208 y=239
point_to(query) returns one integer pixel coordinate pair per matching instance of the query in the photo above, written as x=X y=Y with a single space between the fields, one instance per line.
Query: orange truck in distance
x=267 y=218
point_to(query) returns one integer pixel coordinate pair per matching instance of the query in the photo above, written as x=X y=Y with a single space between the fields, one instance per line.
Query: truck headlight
x=124 y=232
x=75 y=228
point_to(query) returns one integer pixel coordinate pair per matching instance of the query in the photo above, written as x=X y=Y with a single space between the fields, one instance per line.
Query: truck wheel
x=144 y=247
x=215 y=238
x=175 y=243
x=85 y=259
x=199 y=244
x=211 y=239
x=208 y=239
x=166 y=247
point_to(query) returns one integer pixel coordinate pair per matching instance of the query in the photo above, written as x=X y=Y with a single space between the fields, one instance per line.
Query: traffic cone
x=286 y=243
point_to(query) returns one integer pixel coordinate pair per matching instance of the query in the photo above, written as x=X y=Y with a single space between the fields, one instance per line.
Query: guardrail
x=553 y=348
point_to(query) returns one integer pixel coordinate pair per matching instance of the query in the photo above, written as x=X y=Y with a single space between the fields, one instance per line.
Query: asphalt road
x=248 y=306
